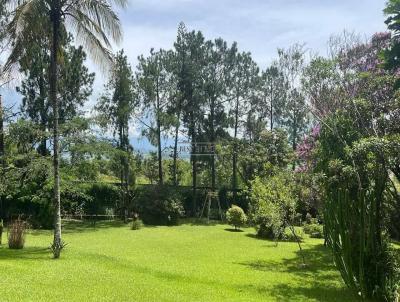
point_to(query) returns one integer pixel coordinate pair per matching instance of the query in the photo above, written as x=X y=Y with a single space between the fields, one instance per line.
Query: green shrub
x=16 y=234
x=137 y=224
x=159 y=205
x=280 y=233
x=288 y=235
x=314 y=230
x=103 y=197
x=267 y=232
x=272 y=204
x=236 y=216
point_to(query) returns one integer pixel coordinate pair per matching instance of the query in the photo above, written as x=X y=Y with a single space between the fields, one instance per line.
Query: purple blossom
x=305 y=149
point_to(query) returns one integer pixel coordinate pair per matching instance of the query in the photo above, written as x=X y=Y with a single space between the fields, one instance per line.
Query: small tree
x=236 y=216
x=273 y=205
x=115 y=108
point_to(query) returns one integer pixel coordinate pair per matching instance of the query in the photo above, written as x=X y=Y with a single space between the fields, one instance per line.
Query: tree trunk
x=379 y=196
x=194 y=164
x=43 y=120
x=2 y=157
x=234 y=157
x=175 y=155
x=2 y=147
x=124 y=175
x=212 y=114
x=294 y=146
x=160 y=169
x=56 y=20
x=271 y=108
x=126 y=172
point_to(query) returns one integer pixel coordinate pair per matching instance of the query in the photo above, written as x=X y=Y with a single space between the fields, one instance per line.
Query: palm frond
x=94 y=21
x=23 y=21
x=103 y=14
x=120 y=3
x=87 y=34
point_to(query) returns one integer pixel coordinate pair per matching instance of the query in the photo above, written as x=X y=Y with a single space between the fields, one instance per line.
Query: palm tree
x=93 y=22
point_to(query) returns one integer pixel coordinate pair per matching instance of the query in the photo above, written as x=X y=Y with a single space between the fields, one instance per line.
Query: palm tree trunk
x=56 y=20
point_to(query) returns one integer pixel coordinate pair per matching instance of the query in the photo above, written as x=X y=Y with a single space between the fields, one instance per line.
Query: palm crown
x=93 y=22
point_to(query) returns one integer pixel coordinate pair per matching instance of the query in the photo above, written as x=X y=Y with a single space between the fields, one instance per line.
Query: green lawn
x=184 y=263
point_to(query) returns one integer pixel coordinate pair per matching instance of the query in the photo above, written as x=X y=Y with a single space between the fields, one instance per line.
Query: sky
x=258 y=26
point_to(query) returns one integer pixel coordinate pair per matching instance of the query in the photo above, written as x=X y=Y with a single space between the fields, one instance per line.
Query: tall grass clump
x=16 y=234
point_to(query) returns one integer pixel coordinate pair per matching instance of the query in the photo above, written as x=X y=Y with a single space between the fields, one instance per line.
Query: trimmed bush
x=16 y=234
x=236 y=217
x=314 y=230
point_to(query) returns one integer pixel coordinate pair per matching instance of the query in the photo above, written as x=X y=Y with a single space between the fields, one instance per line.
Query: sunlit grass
x=184 y=263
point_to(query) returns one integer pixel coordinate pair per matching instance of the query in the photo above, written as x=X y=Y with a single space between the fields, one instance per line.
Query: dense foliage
x=273 y=204
x=158 y=205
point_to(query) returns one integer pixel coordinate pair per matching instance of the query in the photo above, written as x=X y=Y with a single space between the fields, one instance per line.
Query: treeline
x=205 y=91
x=200 y=91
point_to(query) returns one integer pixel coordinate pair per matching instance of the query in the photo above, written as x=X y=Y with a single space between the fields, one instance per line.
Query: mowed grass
x=182 y=263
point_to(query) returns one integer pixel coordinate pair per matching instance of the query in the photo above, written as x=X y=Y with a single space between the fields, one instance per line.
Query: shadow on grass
x=254 y=236
x=77 y=226
x=30 y=253
x=314 y=282
x=234 y=230
x=200 y=222
x=308 y=291
x=318 y=259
